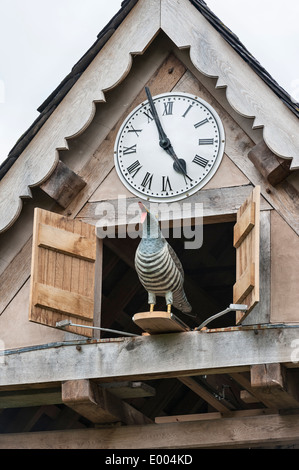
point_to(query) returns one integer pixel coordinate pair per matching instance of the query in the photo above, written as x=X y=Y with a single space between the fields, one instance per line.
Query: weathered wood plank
x=244 y=284
x=61 y=282
x=171 y=355
x=261 y=312
x=63 y=301
x=218 y=204
x=15 y=275
x=24 y=398
x=276 y=385
x=247 y=238
x=59 y=240
x=272 y=167
x=213 y=415
x=130 y=389
x=237 y=432
x=282 y=197
x=63 y=185
x=244 y=225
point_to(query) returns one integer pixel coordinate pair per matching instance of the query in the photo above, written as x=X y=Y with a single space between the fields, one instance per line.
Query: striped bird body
x=159 y=269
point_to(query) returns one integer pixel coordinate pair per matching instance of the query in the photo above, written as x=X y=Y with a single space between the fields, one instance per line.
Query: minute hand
x=163 y=139
x=179 y=164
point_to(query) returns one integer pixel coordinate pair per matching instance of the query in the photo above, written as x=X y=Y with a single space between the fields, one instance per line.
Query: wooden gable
x=246 y=373
x=245 y=91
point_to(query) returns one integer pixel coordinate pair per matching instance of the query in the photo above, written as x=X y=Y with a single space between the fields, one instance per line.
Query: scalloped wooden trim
x=187 y=28
x=76 y=111
x=245 y=90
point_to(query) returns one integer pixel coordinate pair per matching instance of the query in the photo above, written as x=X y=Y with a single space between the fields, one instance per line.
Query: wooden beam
x=204 y=394
x=245 y=382
x=98 y=405
x=272 y=167
x=213 y=415
x=170 y=355
x=247 y=397
x=238 y=432
x=130 y=389
x=218 y=204
x=25 y=398
x=63 y=185
x=276 y=385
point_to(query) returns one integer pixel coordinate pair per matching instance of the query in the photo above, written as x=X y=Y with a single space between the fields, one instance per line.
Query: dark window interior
x=209 y=279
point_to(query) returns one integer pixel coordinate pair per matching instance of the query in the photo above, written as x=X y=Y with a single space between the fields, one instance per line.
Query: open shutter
x=62 y=271
x=247 y=244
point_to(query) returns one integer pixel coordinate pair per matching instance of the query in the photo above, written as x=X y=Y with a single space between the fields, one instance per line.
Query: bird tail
x=180 y=301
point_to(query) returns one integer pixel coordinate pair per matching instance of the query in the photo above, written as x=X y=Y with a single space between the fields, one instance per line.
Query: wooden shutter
x=247 y=244
x=62 y=271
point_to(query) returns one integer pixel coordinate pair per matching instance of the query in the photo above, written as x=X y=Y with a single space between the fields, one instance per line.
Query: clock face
x=196 y=135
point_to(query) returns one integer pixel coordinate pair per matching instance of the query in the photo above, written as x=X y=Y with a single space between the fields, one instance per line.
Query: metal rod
x=65 y=323
x=231 y=308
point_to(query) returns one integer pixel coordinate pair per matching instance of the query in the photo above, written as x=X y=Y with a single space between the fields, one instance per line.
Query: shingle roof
x=236 y=44
x=51 y=103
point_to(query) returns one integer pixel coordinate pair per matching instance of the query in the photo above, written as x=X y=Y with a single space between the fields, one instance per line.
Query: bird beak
x=144 y=212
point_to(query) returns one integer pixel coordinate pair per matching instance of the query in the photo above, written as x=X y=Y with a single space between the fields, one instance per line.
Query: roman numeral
x=137 y=131
x=149 y=115
x=187 y=110
x=128 y=150
x=134 y=168
x=201 y=123
x=147 y=180
x=206 y=142
x=200 y=161
x=168 y=107
x=166 y=186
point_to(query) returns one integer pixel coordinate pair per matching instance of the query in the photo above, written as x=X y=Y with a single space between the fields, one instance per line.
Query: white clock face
x=196 y=135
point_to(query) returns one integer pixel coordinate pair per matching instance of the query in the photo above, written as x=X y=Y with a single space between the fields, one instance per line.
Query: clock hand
x=163 y=139
x=179 y=164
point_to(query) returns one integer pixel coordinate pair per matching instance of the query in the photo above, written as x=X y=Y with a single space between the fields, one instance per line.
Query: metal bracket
x=231 y=308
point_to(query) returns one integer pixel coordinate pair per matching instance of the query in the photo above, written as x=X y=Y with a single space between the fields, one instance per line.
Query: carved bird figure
x=158 y=267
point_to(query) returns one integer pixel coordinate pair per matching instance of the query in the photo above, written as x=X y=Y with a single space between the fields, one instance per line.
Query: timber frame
x=234 y=385
x=100 y=361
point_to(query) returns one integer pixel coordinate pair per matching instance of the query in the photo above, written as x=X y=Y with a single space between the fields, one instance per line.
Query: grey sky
x=40 y=41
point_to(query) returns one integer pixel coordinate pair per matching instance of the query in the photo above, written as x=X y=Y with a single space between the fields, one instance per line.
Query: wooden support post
x=98 y=405
x=244 y=382
x=272 y=167
x=276 y=385
x=63 y=185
